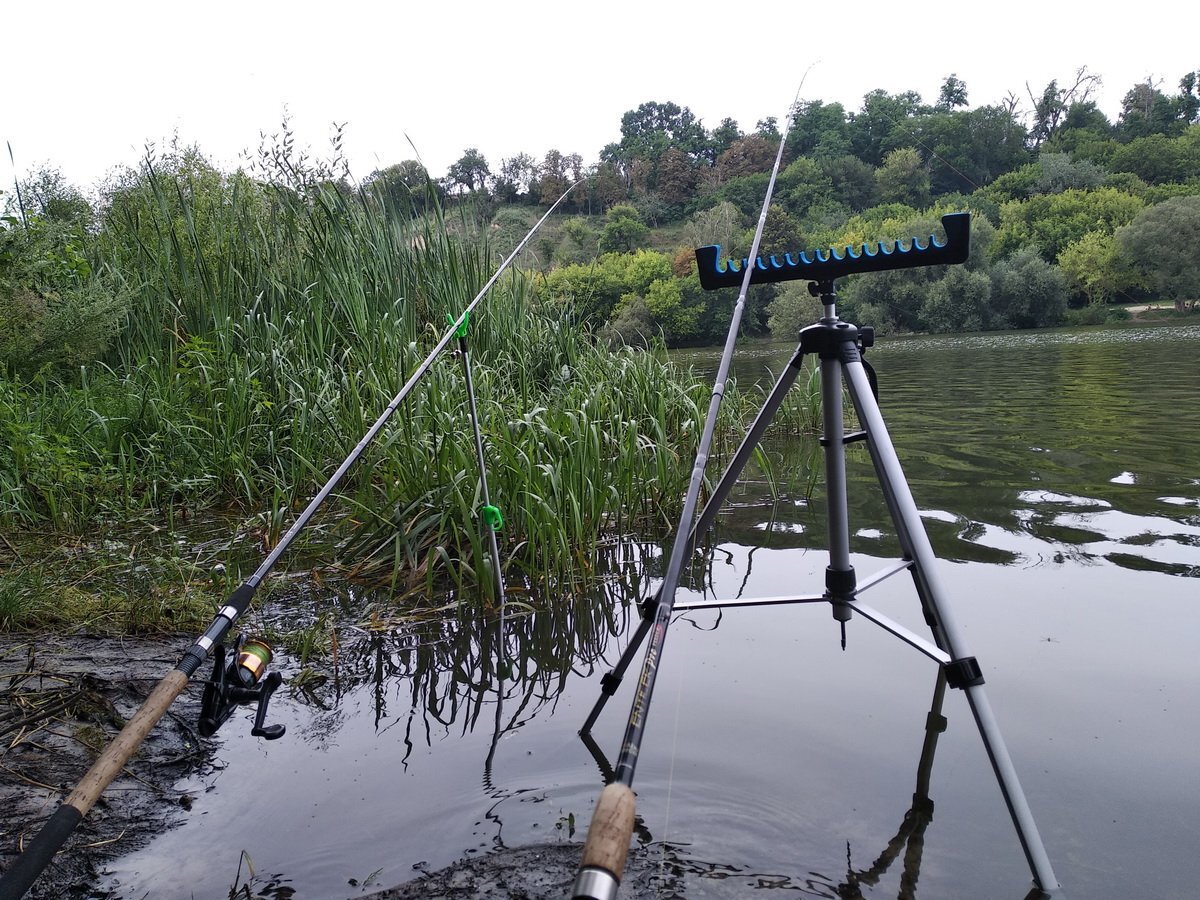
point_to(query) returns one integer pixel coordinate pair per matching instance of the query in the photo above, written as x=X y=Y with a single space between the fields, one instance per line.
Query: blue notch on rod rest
x=825 y=265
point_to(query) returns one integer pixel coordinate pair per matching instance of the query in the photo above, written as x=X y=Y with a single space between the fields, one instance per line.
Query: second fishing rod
x=240 y=680
x=611 y=827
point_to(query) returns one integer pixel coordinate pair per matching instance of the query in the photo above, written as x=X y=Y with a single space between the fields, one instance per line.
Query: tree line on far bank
x=1073 y=214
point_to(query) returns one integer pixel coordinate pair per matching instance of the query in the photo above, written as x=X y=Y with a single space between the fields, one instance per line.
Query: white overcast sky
x=87 y=84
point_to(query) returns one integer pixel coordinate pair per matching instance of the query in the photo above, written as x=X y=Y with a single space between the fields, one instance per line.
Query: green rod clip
x=461 y=331
x=492 y=518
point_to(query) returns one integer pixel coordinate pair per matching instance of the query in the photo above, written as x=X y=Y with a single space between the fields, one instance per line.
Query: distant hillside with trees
x=1072 y=213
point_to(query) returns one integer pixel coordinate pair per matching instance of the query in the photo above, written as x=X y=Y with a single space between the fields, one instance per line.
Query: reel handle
x=234 y=684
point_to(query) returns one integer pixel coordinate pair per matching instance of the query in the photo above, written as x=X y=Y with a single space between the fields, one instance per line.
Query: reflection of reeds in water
x=445 y=668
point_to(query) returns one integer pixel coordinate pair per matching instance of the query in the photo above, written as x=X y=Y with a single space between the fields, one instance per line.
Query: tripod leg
x=612 y=679
x=963 y=670
x=840 y=580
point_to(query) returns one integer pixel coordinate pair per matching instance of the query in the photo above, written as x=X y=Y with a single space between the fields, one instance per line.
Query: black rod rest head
x=232 y=686
x=834 y=262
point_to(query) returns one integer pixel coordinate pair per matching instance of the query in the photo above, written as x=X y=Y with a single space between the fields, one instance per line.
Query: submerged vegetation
x=218 y=343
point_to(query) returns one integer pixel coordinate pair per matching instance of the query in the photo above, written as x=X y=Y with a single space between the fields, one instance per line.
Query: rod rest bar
x=826 y=265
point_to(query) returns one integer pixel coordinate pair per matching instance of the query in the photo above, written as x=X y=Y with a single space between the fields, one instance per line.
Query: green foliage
x=903 y=178
x=746 y=193
x=803 y=185
x=1028 y=292
x=55 y=310
x=1058 y=173
x=959 y=301
x=1146 y=110
x=781 y=232
x=595 y=288
x=792 y=309
x=718 y=225
x=470 y=172
x=623 y=230
x=1159 y=159
x=48 y=195
x=1095 y=267
x=1052 y=222
x=852 y=181
x=820 y=130
x=405 y=188
x=1160 y=244
x=631 y=324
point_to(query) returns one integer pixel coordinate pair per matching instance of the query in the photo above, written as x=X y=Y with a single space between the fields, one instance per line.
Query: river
x=1058 y=475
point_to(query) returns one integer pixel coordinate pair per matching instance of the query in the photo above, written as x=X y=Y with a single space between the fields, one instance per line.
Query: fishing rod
x=611 y=826
x=238 y=681
x=492 y=518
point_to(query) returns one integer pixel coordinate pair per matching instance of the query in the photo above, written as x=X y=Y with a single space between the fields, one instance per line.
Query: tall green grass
x=272 y=323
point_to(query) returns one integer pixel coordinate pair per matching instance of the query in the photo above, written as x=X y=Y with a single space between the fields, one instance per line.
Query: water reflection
x=441 y=671
x=793 y=767
x=1074 y=439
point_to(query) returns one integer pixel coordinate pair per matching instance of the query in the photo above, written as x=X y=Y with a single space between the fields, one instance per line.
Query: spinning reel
x=240 y=682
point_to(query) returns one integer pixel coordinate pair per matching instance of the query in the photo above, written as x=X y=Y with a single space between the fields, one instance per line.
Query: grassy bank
x=265 y=325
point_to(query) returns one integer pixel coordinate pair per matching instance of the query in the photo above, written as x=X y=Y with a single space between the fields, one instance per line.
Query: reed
x=272 y=321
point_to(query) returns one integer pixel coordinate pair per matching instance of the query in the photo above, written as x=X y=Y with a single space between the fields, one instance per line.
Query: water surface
x=1058 y=474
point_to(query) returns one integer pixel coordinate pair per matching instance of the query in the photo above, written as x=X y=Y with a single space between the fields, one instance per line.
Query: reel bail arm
x=240 y=682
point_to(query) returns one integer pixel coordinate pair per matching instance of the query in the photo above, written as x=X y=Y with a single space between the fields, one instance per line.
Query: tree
x=721 y=139
x=1051 y=222
x=1096 y=267
x=606 y=187
x=819 y=130
x=623 y=230
x=882 y=124
x=768 y=127
x=718 y=225
x=953 y=93
x=470 y=171
x=596 y=288
x=969 y=148
x=748 y=156
x=781 y=233
x=791 y=309
x=653 y=128
x=1052 y=105
x=1146 y=110
x=405 y=186
x=903 y=179
x=1161 y=242
x=517 y=176
x=1028 y=292
x=852 y=180
x=552 y=177
x=959 y=301
x=1058 y=173
x=675 y=178
x=803 y=185
x=48 y=194
x=1083 y=125
x=1158 y=159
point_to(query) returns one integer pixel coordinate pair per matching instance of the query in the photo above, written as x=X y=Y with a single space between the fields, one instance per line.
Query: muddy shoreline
x=62 y=698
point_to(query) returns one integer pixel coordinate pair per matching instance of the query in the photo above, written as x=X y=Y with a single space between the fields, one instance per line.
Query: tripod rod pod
x=840 y=346
x=820 y=267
